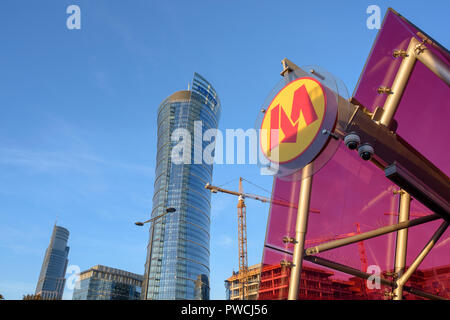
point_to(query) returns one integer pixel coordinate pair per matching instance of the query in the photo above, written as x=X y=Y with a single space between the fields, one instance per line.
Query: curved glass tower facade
x=52 y=277
x=177 y=265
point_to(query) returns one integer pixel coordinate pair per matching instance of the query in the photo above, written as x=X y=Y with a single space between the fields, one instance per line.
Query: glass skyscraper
x=52 y=277
x=105 y=283
x=177 y=264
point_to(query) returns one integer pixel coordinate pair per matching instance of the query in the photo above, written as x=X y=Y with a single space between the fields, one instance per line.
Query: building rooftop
x=113 y=271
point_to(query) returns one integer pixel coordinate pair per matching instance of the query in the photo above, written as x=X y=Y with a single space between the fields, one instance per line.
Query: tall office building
x=51 y=279
x=177 y=264
x=105 y=283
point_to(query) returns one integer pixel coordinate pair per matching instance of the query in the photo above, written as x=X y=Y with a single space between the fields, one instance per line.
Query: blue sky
x=78 y=112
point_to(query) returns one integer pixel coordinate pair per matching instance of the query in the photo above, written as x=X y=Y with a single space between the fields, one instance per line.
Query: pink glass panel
x=348 y=190
x=424 y=109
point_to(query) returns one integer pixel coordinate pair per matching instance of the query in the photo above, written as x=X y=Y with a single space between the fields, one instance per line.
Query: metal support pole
x=402 y=241
x=300 y=231
x=399 y=84
x=147 y=271
x=370 y=234
x=389 y=109
x=149 y=250
x=413 y=267
x=415 y=51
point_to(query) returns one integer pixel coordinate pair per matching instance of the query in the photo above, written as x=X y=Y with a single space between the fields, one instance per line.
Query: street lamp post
x=168 y=210
x=140 y=224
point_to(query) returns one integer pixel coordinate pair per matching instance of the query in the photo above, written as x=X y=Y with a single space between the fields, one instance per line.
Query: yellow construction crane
x=215 y=189
x=242 y=235
x=242 y=226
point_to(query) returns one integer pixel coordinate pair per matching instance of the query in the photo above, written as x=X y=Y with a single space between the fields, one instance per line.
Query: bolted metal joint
x=400 y=191
x=331 y=134
x=384 y=90
x=399 y=54
x=393 y=275
x=389 y=294
x=289 y=240
x=287 y=264
x=311 y=251
x=318 y=75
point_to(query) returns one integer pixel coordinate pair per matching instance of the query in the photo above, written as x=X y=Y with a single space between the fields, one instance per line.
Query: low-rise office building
x=105 y=283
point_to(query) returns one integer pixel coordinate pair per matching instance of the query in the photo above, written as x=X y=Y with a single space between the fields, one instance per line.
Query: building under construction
x=272 y=283
x=316 y=284
x=233 y=285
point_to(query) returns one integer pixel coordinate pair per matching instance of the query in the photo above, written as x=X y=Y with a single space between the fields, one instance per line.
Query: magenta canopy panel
x=348 y=191
x=424 y=110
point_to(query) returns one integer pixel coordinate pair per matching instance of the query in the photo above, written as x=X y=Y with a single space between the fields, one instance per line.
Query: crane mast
x=242 y=227
x=363 y=257
x=242 y=235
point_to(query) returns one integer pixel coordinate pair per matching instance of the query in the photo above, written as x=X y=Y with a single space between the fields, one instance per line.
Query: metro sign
x=293 y=120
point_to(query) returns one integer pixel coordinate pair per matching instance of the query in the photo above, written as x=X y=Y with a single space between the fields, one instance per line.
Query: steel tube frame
x=300 y=231
x=431 y=61
x=415 y=51
x=345 y=269
x=413 y=267
x=355 y=272
x=370 y=234
x=399 y=84
x=389 y=109
x=402 y=164
x=402 y=241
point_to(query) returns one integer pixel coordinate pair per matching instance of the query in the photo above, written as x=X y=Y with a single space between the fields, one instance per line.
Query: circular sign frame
x=303 y=113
